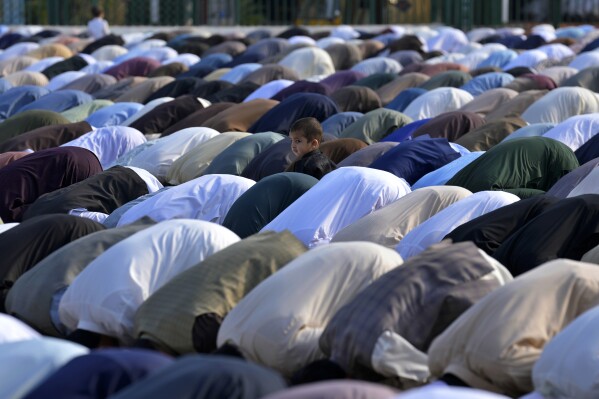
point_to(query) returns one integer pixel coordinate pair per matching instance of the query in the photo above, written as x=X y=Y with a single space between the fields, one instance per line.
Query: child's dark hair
x=97 y=11
x=309 y=127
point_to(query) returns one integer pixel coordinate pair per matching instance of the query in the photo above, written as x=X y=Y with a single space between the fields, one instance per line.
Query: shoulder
x=318 y=156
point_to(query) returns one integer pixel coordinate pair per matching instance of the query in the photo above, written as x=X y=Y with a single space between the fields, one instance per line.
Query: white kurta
x=389 y=225
x=280 y=321
x=529 y=58
x=438 y=226
x=109 y=52
x=439 y=390
x=186 y=59
x=560 y=104
x=13 y=329
x=104 y=297
x=557 y=51
x=442 y=175
x=7 y=226
x=309 y=61
x=18 y=49
x=43 y=64
x=436 y=102
x=576 y=130
x=588 y=185
x=109 y=143
x=268 y=90
x=301 y=39
x=24 y=364
x=329 y=41
x=448 y=39
x=98 y=67
x=559 y=73
x=584 y=60
x=193 y=163
x=152 y=183
x=471 y=60
x=62 y=79
x=377 y=65
x=339 y=199
x=207 y=198
x=569 y=366
x=158 y=158
x=160 y=54
x=239 y=72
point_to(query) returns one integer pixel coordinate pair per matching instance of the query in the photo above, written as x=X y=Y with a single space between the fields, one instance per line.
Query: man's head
x=306 y=135
x=97 y=11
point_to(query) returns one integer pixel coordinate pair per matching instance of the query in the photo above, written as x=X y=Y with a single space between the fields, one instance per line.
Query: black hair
x=228 y=349
x=97 y=11
x=85 y=338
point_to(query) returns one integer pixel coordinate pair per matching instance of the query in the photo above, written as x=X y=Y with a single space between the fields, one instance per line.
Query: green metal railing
x=466 y=14
x=386 y=12
x=463 y=14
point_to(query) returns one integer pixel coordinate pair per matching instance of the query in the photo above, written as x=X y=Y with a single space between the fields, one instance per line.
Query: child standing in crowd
x=306 y=136
x=97 y=27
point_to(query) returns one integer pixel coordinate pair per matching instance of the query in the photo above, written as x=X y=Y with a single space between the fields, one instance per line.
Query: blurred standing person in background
x=97 y=27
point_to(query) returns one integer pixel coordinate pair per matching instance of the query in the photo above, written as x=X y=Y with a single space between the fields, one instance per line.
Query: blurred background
x=463 y=14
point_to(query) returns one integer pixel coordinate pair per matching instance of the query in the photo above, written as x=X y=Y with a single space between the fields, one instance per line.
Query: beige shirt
x=279 y=323
x=388 y=226
x=494 y=344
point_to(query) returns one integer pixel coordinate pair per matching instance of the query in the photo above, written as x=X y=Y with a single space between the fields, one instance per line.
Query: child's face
x=300 y=145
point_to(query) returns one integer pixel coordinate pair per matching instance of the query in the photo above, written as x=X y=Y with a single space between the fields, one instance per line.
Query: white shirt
x=561 y=104
x=64 y=78
x=438 y=226
x=43 y=64
x=7 y=226
x=588 y=185
x=158 y=158
x=584 y=60
x=185 y=59
x=529 y=58
x=206 y=198
x=98 y=28
x=24 y=364
x=109 y=143
x=576 y=130
x=99 y=217
x=13 y=329
x=439 y=390
x=339 y=199
x=568 y=366
x=377 y=65
x=147 y=108
x=104 y=297
x=109 y=52
x=436 y=102
x=309 y=61
x=389 y=225
x=448 y=39
x=269 y=89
